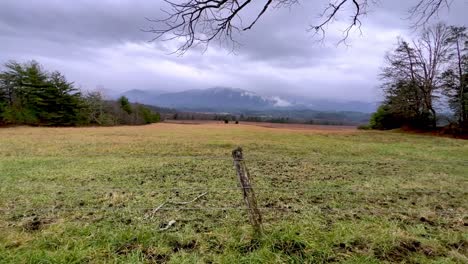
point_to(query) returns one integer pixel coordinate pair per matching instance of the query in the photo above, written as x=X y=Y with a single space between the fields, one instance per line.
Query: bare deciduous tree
x=198 y=22
x=455 y=78
x=412 y=72
x=432 y=53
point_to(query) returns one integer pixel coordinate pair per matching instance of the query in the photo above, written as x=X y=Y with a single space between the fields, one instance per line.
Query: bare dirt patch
x=36 y=223
x=406 y=247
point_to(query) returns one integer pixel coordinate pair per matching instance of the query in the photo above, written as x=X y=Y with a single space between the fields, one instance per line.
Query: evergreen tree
x=23 y=84
x=32 y=96
x=62 y=103
x=125 y=104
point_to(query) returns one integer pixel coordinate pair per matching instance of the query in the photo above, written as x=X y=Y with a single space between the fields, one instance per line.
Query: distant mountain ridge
x=142 y=96
x=225 y=99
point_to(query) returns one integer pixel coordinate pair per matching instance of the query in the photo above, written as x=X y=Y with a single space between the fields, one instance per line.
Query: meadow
x=89 y=195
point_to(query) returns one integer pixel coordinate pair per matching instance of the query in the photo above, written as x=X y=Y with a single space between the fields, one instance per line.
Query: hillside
x=245 y=105
x=223 y=99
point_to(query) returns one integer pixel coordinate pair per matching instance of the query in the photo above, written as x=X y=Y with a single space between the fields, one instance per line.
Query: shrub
x=364 y=127
x=148 y=115
x=385 y=119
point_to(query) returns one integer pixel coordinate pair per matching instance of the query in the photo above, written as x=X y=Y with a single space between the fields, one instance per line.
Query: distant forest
x=29 y=95
x=276 y=116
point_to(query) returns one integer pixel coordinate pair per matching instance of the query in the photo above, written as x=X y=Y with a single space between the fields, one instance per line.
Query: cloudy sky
x=99 y=44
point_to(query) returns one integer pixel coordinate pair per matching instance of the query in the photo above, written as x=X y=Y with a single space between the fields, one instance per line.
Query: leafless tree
x=432 y=53
x=418 y=66
x=198 y=22
x=455 y=77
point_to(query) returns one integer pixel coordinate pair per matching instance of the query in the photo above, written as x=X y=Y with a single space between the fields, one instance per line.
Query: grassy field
x=85 y=195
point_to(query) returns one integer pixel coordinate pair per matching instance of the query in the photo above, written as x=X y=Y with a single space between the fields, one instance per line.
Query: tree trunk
x=461 y=117
x=434 y=117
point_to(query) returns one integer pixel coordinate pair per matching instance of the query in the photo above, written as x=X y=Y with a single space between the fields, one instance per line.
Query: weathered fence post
x=249 y=196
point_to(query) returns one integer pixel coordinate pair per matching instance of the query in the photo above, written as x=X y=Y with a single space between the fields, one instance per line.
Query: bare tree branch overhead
x=330 y=13
x=424 y=10
x=198 y=22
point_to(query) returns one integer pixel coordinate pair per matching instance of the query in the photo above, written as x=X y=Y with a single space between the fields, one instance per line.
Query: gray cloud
x=99 y=43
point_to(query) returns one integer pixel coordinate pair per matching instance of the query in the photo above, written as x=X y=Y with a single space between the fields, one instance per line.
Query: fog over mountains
x=232 y=99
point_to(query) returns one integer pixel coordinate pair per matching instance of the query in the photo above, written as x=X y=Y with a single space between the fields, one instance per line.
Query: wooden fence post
x=249 y=196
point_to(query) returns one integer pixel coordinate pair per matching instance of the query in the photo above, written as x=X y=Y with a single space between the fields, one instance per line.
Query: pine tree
x=33 y=96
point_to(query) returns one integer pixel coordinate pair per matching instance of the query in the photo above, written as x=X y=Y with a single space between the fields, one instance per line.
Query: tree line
x=426 y=79
x=30 y=95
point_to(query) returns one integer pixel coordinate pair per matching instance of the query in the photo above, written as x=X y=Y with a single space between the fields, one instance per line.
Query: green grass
x=74 y=195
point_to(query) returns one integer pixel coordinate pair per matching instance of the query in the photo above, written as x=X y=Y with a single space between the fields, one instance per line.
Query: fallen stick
x=191 y=201
x=171 y=223
x=155 y=210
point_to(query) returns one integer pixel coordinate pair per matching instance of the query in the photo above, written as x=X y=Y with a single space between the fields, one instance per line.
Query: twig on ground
x=155 y=210
x=171 y=223
x=191 y=201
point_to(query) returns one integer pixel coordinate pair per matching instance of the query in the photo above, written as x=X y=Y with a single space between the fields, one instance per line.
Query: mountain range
x=223 y=99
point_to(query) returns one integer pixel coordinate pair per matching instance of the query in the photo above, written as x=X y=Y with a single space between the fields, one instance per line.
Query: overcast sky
x=100 y=44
